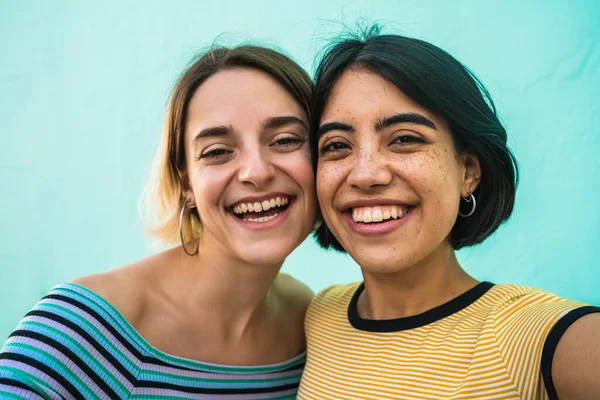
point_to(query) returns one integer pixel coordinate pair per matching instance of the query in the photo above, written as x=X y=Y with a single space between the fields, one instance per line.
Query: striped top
x=76 y=345
x=492 y=342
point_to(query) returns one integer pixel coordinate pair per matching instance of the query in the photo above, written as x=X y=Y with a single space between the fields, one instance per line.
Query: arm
x=576 y=361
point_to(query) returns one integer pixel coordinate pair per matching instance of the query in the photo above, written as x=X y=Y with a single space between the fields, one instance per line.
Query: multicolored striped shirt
x=492 y=342
x=76 y=345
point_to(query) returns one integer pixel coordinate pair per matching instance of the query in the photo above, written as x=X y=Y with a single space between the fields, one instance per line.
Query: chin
x=268 y=252
x=372 y=266
x=382 y=261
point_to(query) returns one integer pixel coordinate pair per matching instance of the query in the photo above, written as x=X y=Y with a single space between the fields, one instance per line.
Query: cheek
x=299 y=168
x=437 y=176
x=208 y=185
x=328 y=179
x=433 y=171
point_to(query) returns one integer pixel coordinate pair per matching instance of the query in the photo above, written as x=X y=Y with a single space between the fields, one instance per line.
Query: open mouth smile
x=377 y=219
x=261 y=211
x=369 y=215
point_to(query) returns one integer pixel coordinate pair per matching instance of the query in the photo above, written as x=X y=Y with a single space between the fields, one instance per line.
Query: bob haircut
x=438 y=82
x=163 y=196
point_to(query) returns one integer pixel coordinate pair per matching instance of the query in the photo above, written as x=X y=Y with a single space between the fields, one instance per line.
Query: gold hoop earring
x=187 y=205
x=470 y=199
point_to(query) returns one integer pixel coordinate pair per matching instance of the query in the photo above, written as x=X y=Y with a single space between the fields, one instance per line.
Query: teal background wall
x=83 y=89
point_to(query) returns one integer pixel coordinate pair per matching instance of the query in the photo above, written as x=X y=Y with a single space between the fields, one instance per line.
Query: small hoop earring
x=187 y=205
x=470 y=199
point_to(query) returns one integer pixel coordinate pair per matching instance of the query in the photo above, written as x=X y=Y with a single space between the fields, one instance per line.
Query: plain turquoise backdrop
x=83 y=90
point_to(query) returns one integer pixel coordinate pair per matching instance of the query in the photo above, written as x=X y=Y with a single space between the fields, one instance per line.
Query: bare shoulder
x=126 y=287
x=576 y=360
x=293 y=298
x=293 y=291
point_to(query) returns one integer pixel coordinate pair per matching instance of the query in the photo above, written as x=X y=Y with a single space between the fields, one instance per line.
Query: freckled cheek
x=433 y=179
x=328 y=180
x=432 y=172
x=441 y=205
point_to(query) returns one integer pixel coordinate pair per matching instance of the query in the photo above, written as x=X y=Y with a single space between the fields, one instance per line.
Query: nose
x=256 y=169
x=370 y=171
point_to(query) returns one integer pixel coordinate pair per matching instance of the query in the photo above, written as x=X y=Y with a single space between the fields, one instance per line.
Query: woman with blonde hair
x=233 y=184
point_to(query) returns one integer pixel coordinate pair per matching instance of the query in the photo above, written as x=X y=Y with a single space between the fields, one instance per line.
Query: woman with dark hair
x=411 y=165
x=233 y=185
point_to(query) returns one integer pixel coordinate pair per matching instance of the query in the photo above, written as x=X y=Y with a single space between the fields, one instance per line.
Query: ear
x=186 y=188
x=472 y=172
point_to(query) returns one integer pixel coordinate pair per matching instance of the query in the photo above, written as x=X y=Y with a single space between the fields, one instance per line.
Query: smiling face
x=389 y=179
x=248 y=167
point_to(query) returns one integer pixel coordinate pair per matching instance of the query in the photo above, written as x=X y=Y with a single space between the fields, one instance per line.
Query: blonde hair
x=163 y=198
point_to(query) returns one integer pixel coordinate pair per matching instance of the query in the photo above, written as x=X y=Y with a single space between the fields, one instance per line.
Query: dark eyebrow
x=213 y=131
x=410 y=118
x=334 y=126
x=278 y=122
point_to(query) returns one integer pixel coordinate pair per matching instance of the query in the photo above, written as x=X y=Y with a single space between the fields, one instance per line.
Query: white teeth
x=263 y=219
x=377 y=216
x=264 y=205
x=378 y=213
x=367 y=216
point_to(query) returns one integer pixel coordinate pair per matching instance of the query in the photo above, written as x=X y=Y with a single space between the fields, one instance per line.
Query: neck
x=421 y=287
x=232 y=295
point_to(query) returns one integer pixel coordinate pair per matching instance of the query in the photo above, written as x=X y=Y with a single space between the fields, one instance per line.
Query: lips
x=261 y=209
x=375 y=214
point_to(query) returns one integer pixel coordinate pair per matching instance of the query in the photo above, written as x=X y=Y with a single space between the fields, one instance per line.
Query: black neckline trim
x=401 y=324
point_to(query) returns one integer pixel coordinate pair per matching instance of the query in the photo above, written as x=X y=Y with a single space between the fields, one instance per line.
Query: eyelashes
x=216 y=153
x=408 y=139
x=340 y=145
x=289 y=141
x=283 y=144
x=332 y=146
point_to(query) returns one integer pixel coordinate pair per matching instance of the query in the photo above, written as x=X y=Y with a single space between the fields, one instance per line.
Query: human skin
x=379 y=150
x=228 y=304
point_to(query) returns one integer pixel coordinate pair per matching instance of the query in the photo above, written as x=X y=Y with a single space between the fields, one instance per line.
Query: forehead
x=361 y=94
x=239 y=96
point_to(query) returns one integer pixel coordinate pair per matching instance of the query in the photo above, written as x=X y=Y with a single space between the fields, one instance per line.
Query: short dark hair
x=438 y=82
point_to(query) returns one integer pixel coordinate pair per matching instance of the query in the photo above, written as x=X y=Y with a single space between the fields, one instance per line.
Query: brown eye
x=332 y=146
x=408 y=139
